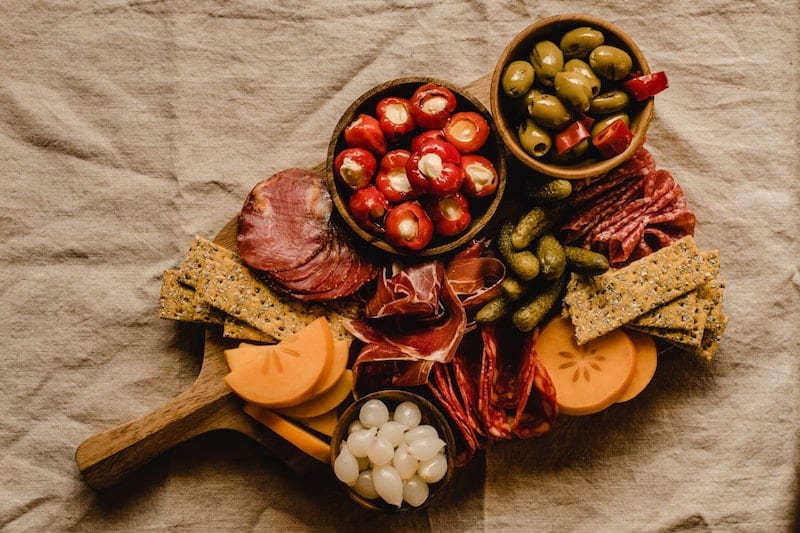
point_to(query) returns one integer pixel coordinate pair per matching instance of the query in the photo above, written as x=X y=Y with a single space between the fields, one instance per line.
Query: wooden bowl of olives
x=416 y=167
x=393 y=450
x=558 y=89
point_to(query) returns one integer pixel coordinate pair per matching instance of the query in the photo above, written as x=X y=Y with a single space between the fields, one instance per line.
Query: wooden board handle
x=108 y=456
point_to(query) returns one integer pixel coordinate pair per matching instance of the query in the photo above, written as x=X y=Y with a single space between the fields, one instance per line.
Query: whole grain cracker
x=201 y=251
x=178 y=301
x=600 y=304
x=232 y=287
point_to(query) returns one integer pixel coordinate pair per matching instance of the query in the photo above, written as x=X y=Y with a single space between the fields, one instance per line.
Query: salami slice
x=285 y=221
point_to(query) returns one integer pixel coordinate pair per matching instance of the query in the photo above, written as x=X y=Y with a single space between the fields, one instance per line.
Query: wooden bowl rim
x=640 y=124
x=477 y=224
x=430 y=414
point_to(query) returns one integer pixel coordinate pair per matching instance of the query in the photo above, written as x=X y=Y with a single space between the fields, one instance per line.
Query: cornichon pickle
x=548 y=191
x=609 y=102
x=580 y=41
x=513 y=289
x=494 y=310
x=523 y=264
x=532 y=224
x=586 y=261
x=550 y=253
x=538 y=306
x=547 y=59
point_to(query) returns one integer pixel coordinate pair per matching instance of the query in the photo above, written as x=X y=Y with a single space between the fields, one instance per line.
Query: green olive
x=580 y=41
x=609 y=102
x=547 y=59
x=578 y=65
x=518 y=78
x=534 y=140
x=610 y=62
x=602 y=124
x=573 y=89
x=548 y=111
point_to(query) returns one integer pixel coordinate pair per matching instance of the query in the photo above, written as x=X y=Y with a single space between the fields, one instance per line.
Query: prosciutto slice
x=426 y=340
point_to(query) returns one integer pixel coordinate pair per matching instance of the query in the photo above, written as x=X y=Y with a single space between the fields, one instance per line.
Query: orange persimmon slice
x=321 y=403
x=590 y=377
x=341 y=355
x=286 y=373
x=646 y=360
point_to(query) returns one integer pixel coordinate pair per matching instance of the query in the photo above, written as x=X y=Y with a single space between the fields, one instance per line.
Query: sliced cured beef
x=285 y=221
x=286 y=233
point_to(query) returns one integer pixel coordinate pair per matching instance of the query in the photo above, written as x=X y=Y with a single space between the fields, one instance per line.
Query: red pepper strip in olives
x=355 y=167
x=570 y=137
x=449 y=214
x=431 y=104
x=365 y=132
x=409 y=226
x=613 y=140
x=467 y=131
x=643 y=87
x=392 y=180
x=394 y=117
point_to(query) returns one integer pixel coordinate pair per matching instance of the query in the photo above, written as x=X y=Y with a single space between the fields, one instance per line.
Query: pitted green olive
x=610 y=62
x=609 y=102
x=580 y=42
x=534 y=140
x=548 y=111
x=602 y=124
x=578 y=65
x=574 y=90
x=547 y=59
x=518 y=78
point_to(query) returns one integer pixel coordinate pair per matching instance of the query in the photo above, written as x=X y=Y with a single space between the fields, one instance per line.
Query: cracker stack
x=212 y=286
x=674 y=293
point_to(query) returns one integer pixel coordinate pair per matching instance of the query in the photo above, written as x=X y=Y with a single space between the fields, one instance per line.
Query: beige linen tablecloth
x=128 y=127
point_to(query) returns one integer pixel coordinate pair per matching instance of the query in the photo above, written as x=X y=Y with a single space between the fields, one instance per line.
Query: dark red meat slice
x=537 y=408
x=412 y=292
x=495 y=419
x=285 y=221
x=379 y=366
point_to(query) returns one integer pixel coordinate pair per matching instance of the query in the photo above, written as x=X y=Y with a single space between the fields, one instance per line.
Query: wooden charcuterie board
x=207 y=405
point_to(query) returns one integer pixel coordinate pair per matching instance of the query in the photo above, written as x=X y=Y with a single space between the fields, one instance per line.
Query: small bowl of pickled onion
x=393 y=450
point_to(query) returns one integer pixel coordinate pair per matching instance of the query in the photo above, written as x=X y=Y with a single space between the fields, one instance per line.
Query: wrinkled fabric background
x=128 y=127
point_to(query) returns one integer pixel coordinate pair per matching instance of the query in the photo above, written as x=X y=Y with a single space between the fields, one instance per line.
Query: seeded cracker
x=178 y=301
x=201 y=251
x=600 y=304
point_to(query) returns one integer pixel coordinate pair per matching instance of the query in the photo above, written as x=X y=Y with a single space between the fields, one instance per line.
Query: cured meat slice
x=379 y=366
x=537 y=408
x=495 y=419
x=429 y=340
x=476 y=280
x=412 y=292
x=285 y=221
x=630 y=212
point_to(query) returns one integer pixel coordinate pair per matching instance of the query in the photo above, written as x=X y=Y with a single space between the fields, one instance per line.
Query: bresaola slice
x=285 y=221
x=285 y=232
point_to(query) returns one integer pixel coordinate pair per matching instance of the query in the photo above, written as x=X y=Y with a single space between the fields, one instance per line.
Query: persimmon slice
x=320 y=403
x=286 y=373
x=590 y=377
x=646 y=361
